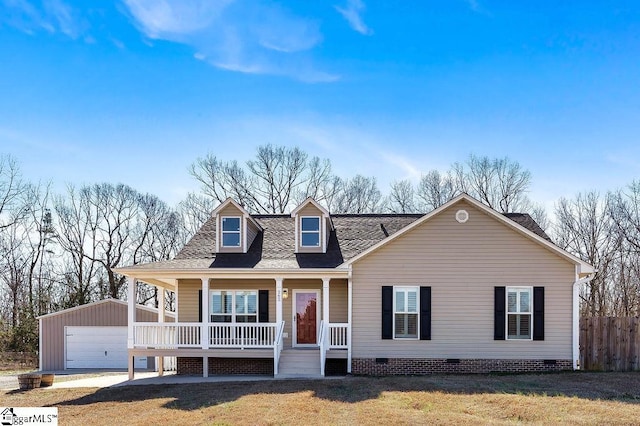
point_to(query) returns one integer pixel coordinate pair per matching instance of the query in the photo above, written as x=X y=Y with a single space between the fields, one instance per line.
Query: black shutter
x=263 y=305
x=538 y=313
x=425 y=313
x=387 y=312
x=199 y=305
x=499 y=313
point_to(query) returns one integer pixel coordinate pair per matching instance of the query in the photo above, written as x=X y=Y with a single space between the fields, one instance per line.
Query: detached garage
x=91 y=336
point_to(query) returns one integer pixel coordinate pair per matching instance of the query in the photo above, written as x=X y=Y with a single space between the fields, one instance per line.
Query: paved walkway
x=93 y=379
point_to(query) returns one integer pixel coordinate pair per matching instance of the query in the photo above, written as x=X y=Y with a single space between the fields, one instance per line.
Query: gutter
x=576 y=316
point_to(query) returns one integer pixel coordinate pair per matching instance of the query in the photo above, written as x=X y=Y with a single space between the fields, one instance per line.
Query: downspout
x=576 y=316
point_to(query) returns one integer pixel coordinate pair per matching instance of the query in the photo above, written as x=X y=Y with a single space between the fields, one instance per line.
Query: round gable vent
x=462 y=216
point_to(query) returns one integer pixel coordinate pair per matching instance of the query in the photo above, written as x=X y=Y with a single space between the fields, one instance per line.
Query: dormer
x=235 y=228
x=313 y=226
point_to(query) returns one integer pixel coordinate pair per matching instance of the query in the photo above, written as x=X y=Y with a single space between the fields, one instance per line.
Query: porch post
x=349 y=319
x=279 y=300
x=204 y=326
x=325 y=300
x=131 y=319
x=160 y=359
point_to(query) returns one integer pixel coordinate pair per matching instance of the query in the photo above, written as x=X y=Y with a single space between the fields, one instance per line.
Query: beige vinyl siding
x=310 y=210
x=327 y=230
x=230 y=210
x=338 y=303
x=101 y=314
x=462 y=263
x=187 y=292
x=252 y=231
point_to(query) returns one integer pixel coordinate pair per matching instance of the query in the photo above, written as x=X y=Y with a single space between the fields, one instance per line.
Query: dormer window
x=310 y=226
x=313 y=227
x=231 y=231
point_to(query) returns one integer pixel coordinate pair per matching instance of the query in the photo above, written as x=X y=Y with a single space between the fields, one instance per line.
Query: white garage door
x=98 y=347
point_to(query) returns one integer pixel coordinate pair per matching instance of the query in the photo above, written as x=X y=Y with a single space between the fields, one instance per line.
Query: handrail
x=277 y=347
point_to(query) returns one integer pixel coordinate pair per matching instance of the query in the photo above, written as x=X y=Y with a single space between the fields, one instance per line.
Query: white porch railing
x=221 y=335
x=166 y=335
x=338 y=335
x=246 y=335
x=277 y=349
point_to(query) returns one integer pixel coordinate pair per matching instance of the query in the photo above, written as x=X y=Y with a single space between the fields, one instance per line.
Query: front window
x=310 y=227
x=234 y=306
x=231 y=232
x=519 y=312
x=405 y=312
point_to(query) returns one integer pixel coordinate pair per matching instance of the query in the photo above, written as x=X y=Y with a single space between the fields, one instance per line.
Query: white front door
x=98 y=347
x=306 y=317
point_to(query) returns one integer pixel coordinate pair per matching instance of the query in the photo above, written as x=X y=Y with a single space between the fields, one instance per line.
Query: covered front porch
x=230 y=321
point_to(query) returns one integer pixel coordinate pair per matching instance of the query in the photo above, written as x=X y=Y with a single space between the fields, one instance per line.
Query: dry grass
x=574 y=398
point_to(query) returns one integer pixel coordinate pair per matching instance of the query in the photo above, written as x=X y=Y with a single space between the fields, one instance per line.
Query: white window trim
x=239 y=231
x=407 y=288
x=507 y=313
x=233 y=306
x=319 y=231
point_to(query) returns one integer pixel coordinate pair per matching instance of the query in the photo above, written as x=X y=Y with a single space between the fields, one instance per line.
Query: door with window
x=305 y=317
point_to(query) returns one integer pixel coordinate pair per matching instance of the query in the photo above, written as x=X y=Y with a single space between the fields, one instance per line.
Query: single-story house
x=91 y=336
x=460 y=289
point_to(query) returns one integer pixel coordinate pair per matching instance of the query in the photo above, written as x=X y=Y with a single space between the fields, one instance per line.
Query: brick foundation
x=400 y=366
x=226 y=366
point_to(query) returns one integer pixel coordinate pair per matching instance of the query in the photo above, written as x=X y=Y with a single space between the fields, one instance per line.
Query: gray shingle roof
x=274 y=246
x=523 y=219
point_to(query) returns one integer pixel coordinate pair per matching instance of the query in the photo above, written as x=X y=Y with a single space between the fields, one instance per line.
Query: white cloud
x=162 y=18
x=246 y=36
x=64 y=17
x=53 y=16
x=351 y=12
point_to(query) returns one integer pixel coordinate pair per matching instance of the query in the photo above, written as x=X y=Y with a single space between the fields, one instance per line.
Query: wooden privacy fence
x=610 y=343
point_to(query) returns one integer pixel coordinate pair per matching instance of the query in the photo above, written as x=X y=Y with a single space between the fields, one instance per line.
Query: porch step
x=299 y=363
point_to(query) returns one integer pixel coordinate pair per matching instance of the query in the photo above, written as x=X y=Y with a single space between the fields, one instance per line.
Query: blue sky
x=134 y=91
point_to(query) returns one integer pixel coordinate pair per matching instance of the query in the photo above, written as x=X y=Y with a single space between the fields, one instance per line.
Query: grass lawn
x=576 y=398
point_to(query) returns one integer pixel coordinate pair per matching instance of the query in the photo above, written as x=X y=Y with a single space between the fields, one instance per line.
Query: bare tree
x=401 y=198
x=585 y=229
x=624 y=208
x=12 y=188
x=320 y=183
x=270 y=183
x=357 y=195
x=195 y=210
x=435 y=189
x=539 y=214
x=499 y=183
x=76 y=234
